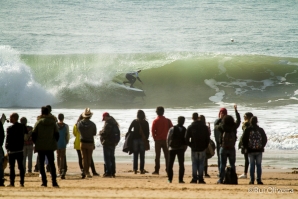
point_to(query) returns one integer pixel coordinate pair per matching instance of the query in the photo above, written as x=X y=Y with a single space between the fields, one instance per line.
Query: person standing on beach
x=254 y=141
x=131 y=79
x=177 y=147
x=2 y=136
x=197 y=137
x=227 y=139
x=159 y=130
x=77 y=147
x=222 y=112
x=87 y=131
x=15 y=146
x=245 y=124
x=62 y=142
x=140 y=126
x=109 y=142
x=45 y=136
x=28 y=145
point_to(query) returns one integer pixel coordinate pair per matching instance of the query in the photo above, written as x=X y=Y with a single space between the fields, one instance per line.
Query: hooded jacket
x=199 y=134
x=76 y=133
x=106 y=134
x=63 y=135
x=45 y=134
x=245 y=139
x=87 y=130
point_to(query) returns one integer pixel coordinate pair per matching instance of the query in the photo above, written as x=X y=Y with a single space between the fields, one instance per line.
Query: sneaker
x=243 y=176
x=21 y=185
x=135 y=171
x=169 y=181
x=260 y=182
x=193 y=182
x=155 y=173
x=207 y=176
x=44 y=185
x=106 y=175
x=62 y=177
x=96 y=174
x=202 y=182
x=55 y=185
x=219 y=182
x=113 y=176
x=89 y=176
x=10 y=185
x=142 y=171
x=83 y=175
x=250 y=182
x=181 y=182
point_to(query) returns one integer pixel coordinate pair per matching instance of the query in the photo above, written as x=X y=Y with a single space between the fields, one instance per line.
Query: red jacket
x=160 y=128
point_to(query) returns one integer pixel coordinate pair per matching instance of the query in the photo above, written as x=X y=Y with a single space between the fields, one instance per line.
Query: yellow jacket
x=77 y=142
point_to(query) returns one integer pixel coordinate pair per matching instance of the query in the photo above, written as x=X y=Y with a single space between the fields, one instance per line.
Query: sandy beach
x=278 y=183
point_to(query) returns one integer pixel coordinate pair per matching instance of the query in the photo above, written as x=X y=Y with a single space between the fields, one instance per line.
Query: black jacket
x=128 y=144
x=1 y=135
x=224 y=128
x=135 y=124
x=15 y=137
x=245 y=139
x=107 y=134
x=199 y=134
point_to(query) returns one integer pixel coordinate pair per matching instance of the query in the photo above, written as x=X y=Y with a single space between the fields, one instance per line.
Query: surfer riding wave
x=131 y=79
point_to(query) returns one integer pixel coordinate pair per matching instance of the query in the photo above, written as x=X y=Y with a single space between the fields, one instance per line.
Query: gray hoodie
x=87 y=130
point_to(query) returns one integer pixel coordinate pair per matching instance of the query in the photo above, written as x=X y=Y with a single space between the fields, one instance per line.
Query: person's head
x=80 y=118
x=44 y=110
x=222 y=112
x=228 y=120
x=181 y=120
x=49 y=107
x=87 y=114
x=248 y=116
x=160 y=111
x=23 y=120
x=203 y=119
x=141 y=115
x=61 y=117
x=195 y=116
x=253 y=120
x=14 y=117
x=105 y=116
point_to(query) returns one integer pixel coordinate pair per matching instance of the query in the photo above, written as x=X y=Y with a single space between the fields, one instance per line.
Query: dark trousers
x=138 y=150
x=81 y=162
x=13 y=157
x=172 y=155
x=51 y=160
x=109 y=159
x=218 y=156
x=160 y=144
x=246 y=164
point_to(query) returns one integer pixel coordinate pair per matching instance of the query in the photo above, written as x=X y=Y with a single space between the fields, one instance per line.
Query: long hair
x=141 y=115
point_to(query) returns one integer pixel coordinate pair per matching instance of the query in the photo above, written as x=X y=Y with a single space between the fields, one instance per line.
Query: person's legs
x=25 y=154
x=246 y=163
x=223 y=163
x=232 y=158
x=51 y=162
x=218 y=156
x=142 y=155
x=172 y=155
x=89 y=155
x=93 y=167
x=107 y=160
x=113 y=161
x=165 y=152
x=36 y=169
x=1 y=168
x=259 y=157
x=251 y=158
x=19 y=157
x=59 y=161
x=62 y=162
x=136 y=151
x=41 y=157
x=30 y=156
x=157 y=155
x=12 y=161
x=80 y=159
x=180 y=154
x=194 y=160
x=202 y=156
x=84 y=151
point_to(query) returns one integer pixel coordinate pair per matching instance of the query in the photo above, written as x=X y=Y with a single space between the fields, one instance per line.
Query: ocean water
x=71 y=53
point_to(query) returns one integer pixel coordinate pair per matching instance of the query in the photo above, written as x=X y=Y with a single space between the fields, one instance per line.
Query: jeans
x=13 y=157
x=28 y=152
x=109 y=159
x=218 y=155
x=198 y=161
x=51 y=161
x=172 y=156
x=246 y=163
x=81 y=162
x=1 y=167
x=86 y=151
x=224 y=155
x=160 y=144
x=255 y=159
x=61 y=155
x=138 y=149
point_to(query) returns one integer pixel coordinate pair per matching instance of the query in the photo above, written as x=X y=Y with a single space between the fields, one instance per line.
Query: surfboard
x=129 y=88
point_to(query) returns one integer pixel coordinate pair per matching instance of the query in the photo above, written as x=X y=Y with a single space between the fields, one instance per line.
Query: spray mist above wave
x=18 y=88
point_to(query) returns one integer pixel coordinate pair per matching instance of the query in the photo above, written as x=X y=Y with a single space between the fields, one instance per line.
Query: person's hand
x=235 y=107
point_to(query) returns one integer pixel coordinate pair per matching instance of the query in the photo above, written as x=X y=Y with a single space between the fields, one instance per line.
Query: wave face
x=182 y=79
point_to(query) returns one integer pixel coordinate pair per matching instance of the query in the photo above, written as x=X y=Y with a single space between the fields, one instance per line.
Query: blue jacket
x=63 y=135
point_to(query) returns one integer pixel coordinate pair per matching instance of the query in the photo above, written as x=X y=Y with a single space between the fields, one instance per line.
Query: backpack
x=228 y=140
x=230 y=176
x=255 y=140
x=210 y=151
x=176 y=139
x=116 y=134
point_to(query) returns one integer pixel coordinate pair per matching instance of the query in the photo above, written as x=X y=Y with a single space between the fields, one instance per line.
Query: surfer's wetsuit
x=131 y=79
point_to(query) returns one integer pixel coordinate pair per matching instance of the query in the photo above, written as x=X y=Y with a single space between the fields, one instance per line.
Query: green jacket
x=45 y=134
